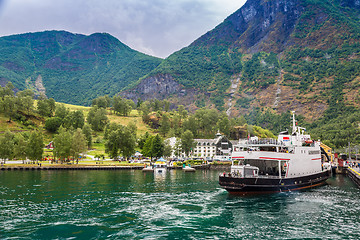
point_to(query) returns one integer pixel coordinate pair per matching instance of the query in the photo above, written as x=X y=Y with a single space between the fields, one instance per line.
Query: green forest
x=73 y=68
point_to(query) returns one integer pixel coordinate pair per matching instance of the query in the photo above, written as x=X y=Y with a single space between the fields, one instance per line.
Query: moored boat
x=188 y=168
x=291 y=162
x=148 y=168
x=160 y=165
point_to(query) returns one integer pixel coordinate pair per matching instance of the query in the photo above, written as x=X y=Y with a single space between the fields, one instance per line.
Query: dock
x=354 y=174
x=10 y=168
x=79 y=167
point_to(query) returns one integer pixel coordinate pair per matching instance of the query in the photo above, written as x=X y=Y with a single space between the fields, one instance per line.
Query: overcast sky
x=155 y=27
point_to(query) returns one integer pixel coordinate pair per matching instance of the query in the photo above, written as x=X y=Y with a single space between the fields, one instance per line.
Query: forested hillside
x=71 y=68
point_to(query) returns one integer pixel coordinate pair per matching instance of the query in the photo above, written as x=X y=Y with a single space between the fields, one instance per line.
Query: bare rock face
x=257 y=26
x=158 y=86
x=270 y=24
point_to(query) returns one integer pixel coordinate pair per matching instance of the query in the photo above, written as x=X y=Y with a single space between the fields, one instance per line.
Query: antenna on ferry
x=294 y=121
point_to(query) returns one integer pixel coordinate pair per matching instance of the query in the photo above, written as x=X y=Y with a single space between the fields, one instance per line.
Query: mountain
x=283 y=55
x=71 y=68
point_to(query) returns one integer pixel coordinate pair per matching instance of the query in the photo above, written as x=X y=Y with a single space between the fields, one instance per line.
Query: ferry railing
x=266 y=141
x=237 y=175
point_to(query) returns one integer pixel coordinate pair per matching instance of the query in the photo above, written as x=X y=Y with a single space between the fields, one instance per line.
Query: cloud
x=155 y=27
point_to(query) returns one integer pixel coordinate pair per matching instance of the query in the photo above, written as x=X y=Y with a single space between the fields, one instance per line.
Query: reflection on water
x=172 y=205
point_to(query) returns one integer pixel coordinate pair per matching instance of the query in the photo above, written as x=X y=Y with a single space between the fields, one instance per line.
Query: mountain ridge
x=74 y=68
x=257 y=44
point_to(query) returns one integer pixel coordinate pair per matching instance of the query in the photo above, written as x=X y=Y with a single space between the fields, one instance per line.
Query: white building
x=217 y=148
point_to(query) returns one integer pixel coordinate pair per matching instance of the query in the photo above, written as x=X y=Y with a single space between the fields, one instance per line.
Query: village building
x=218 y=148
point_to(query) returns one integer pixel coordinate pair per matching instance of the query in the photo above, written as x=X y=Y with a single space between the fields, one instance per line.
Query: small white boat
x=148 y=168
x=188 y=168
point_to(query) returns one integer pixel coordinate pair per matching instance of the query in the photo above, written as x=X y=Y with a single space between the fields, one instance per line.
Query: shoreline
x=103 y=167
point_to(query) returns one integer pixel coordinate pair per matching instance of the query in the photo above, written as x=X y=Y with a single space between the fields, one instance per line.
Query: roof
x=205 y=141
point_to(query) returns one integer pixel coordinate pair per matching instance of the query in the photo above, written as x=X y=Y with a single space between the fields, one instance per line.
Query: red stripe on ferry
x=238 y=157
x=316 y=159
x=274 y=158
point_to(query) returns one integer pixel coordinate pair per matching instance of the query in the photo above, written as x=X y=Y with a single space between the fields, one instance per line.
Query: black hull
x=242 y=186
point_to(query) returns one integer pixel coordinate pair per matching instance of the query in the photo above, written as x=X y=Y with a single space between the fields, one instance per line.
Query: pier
x=92 y=167
x=10 y=168
x=354 y=174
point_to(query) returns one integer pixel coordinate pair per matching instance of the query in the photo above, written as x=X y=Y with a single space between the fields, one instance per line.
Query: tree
x=133 y=128
x=176 y=125
x=127 y=142
x=72 y=120
x=62 y=144
x=120 y=140
x=52 y=124
x=117 y=104
x=79 y=143
x=157 y=147
x=61 y=111
x=122 y=106
x=45 y=107
x=51 y=105
x=97 y=118
x=112 y=144
x=20 y=147
x=191 y=124
x=143 y=139
x=102 y=102
x=166 y=105
x=25 y=100
x=182 y=112
x=7 y=90
x=156 y=105
x=145 y=109
x=9 y=106
x=35 y=146
x=164 y=124
x=7 y=100
x=167 y=148
x=88 y=134
x=77 y=119
x=138 y=103
x=7 y=146
x=187 y=142
x=224 y=125
x=147 y=149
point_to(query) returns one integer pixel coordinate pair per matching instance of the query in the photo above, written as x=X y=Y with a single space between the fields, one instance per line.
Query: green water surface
x=174 y=205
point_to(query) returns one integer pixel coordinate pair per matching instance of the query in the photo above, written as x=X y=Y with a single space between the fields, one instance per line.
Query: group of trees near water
x=21 y=146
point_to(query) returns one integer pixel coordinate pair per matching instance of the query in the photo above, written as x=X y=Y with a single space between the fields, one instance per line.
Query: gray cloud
x=155 y=27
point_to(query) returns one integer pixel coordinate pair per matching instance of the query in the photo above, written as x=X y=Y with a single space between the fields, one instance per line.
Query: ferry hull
x=244 y=186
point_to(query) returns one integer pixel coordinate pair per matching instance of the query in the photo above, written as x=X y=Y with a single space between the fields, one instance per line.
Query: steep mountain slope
x=284 y=54
x=71 y=68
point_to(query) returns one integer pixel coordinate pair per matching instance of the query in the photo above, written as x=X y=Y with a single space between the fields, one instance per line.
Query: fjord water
x=174 y=205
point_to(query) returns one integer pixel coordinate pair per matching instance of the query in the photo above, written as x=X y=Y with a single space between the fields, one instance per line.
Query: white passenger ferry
x=290 y=162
